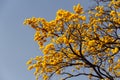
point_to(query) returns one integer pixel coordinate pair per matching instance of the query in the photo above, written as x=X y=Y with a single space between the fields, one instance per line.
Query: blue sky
x=16 y=40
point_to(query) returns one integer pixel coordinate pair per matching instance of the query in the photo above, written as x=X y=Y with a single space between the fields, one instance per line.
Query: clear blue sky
x=16 y=40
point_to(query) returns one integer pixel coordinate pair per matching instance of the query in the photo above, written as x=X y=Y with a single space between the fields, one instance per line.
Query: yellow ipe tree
x=74 y=44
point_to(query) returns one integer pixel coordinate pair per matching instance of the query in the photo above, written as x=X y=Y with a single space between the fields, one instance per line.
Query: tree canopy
x=86 y=42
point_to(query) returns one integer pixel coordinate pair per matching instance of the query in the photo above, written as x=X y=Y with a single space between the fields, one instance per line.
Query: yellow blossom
x=91 y=42
x=30 y=67
x=78 y=9
x=29 y=62
x=115 y=50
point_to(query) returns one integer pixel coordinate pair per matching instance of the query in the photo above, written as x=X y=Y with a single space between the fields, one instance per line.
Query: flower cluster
x=72 y=41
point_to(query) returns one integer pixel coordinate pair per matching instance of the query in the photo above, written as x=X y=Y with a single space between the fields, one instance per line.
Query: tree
x=88 y=46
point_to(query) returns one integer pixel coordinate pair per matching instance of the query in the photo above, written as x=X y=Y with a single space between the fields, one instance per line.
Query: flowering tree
x=88 y=46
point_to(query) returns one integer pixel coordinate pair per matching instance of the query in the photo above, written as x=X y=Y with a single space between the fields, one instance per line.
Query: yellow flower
x=78 y=9
x=30 y=67
x=29 y=62
x=83 y=18
x=91 y=43
x=45 y=77
x=115 y=50
x=45 y=51
x=71 y=41
x=112 y=13
x=58 y=72
x=118 y=61
x=117 y=67
x=65 y=40
x=37 y=69
x=118 y=73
